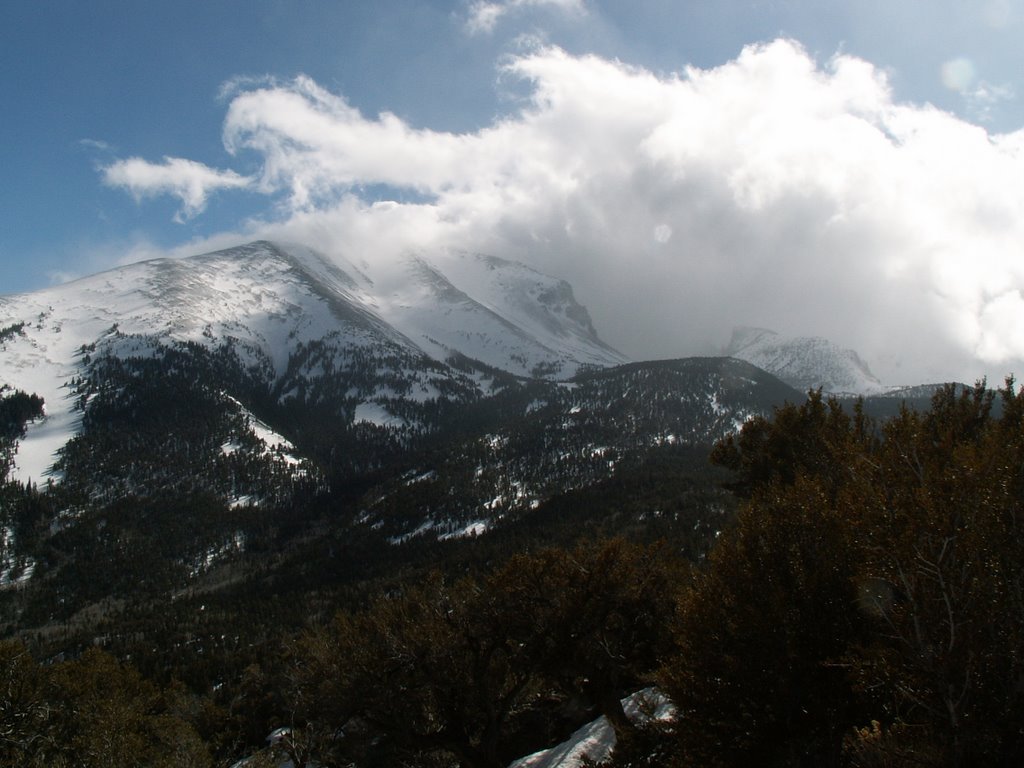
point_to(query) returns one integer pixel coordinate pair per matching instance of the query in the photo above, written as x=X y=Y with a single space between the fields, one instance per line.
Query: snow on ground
x=596 y=739
x=452 y=530
x=425 y=527
x=41 y=361
x=411 y=478
x=475 y=528
x=252 y=294
x=38 y=450
x=12 y=572
x=242 y=502
x=805 y=362
x=375 y=413
x=273 y=440
x=541 y=305
x=235 y=544
x=486 y=309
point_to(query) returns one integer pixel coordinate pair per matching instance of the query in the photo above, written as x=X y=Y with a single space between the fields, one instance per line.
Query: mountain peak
x=804 y=362
x=295 y=315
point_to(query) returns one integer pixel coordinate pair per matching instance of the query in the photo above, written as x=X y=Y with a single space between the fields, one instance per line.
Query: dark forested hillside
x=201 y=516
x=192 y=471
x=861 y=608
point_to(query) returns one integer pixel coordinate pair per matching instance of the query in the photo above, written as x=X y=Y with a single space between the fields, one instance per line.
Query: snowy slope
x=498 y=312
x=542 y=306
x=253 y=295
x=596 y=739
x=804 y=362
x=268 y=300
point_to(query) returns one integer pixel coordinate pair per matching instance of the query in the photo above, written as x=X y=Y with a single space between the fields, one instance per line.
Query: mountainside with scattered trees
x=859 y=605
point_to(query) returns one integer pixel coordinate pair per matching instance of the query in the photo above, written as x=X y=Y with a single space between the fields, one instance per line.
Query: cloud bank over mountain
x=774 y=190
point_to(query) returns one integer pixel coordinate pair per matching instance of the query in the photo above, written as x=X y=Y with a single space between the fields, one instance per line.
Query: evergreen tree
x=461 y=668
x=868 y=606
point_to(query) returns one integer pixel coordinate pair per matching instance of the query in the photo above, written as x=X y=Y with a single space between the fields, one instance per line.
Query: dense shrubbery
x=476 y=669
x=867 y=608
x=473 y=670
x=89 y=712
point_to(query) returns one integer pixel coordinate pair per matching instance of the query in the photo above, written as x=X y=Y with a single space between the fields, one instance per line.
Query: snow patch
x=476 y=528
x=377 y=414
x=425 y=527
x=235 y=544
x=596 y=739
x=14 y=572
x=421 y=478
x=37 y=451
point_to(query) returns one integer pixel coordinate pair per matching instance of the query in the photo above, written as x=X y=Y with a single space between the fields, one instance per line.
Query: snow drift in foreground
x=596 y=739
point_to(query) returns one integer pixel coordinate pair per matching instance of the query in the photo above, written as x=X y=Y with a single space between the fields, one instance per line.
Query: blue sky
x=134 y=129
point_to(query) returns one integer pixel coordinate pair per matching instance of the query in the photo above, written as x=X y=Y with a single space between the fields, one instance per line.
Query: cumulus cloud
x=189 y=181
x=314 y=144
x=773 y=190
x=483 y=15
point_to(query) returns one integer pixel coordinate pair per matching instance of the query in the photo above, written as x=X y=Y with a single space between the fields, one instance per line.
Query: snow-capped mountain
x=804 y=362
x=194 y=408
x=498 y=312
x=298 y=321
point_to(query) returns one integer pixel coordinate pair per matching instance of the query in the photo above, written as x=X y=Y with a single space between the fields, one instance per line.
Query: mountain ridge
x=269 y=302
x=194 y=407
x=805 y=362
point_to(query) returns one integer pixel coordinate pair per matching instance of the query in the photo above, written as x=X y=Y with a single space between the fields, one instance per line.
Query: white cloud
x=772 y=190
x=483 y=15
x=189 y=181
x=960 y=75
x=985 y=96
x=314 y=144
